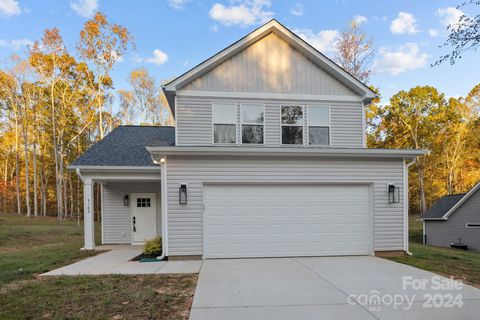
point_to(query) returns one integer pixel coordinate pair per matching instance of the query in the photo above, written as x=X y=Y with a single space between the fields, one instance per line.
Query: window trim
x=472 y=225
x=225 y=123
x=252 y=124
x=329 y=125
x=302 y=125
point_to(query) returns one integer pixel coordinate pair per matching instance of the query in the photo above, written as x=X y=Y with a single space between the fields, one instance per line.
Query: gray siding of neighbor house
x=185 y=222
x=117 y=219
x=194 y=120
x=270 y=65
x=443 y=233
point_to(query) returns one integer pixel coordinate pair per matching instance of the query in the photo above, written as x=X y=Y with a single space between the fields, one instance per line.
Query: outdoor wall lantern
x=393 y=194
x=182 y=194
x=125 y=200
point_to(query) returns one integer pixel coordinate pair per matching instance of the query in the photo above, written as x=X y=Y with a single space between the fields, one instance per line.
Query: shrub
x=153 y=247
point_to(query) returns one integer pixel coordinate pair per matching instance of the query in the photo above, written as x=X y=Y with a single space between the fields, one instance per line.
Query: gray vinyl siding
x=185 y=222
x=194 y=120
x=443 y=233
x=117 y=225
x=270 y=65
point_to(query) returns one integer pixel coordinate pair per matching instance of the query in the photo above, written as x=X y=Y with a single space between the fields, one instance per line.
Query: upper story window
x=224 y=116
x=292 y=124
x=318 y=125
x=253 y=122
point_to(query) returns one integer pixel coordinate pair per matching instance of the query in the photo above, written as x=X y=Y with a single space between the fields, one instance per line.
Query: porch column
x=88 y=219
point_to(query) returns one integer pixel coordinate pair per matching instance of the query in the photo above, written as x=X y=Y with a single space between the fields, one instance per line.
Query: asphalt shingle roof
x=125 y=146
x=442 y=205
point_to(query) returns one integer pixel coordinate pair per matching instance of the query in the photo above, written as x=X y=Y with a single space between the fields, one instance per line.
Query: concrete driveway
x=327 y=288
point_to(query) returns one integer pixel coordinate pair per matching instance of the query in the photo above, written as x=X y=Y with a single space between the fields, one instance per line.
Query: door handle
x=134 y=228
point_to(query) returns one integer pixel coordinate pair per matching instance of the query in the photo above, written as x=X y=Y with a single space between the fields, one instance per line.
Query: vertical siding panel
x=270 y=65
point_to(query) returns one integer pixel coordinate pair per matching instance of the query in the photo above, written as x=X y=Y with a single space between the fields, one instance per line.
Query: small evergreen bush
x=153 y=247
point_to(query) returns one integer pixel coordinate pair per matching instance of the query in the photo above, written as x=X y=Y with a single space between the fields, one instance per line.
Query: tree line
x=54 y=104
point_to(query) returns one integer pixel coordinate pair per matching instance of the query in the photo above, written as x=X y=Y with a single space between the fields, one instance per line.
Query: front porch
x=131 y=205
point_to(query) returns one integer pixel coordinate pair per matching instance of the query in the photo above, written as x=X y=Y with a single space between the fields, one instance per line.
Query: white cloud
x=9 y=8
x=404 y=23
x=360 y=19
x=297 y=10
x=432 y=32
x=245 y=13
x=84 y=8
x=15 y=44
x=178 y=4
x=404 y=58
x=449 y=15
x=159 y=57
x=324 y=41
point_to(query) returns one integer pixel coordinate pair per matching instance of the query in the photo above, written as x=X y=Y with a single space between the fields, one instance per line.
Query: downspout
x=79 y=174
x=163 y=198
x=405 y=205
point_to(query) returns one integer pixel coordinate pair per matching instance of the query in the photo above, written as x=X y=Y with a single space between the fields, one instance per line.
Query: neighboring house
x=268 y=159
x=454 y=218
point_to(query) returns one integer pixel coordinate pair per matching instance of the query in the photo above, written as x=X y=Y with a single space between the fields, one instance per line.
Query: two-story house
x=268 y=158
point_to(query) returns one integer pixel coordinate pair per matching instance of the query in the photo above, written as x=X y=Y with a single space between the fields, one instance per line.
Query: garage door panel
x=271 y=221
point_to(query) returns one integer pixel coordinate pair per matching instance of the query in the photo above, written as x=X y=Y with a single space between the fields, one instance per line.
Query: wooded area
x=56 y=103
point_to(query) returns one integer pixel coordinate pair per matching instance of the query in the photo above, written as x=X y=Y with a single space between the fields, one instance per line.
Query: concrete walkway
x=117 y=262
x=325 y=288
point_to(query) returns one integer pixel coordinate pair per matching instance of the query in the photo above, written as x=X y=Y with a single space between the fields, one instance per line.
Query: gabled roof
x=447 y=205
x=294 y=40
x=125 y=147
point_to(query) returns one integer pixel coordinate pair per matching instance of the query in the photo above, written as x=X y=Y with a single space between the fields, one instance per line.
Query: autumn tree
x=355 y=51
x=410 y=120
x=101 y=44
x=145 y=102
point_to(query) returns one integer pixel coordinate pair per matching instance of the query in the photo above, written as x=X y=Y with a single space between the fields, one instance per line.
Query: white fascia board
x=115 y=168
x=267 y=95
x=461 y=201
x=287 y=151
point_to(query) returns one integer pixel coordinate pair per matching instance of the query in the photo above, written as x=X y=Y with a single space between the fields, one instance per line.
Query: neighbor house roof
x=125 y=147
x=447 y=205
x=290 y=37
x=442 y=205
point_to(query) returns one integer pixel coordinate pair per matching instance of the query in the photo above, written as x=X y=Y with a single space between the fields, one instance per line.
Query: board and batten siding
x=185 y=222
x=117 y=218
x=194 y=120
x=443 y=233
x=270 y=65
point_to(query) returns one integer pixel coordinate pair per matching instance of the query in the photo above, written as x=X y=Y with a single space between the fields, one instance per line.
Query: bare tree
x=355 y=51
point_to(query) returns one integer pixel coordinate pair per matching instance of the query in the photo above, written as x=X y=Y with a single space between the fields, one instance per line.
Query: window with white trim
x=319 y=125
x=253 y=121
x=224 y=117
x=292 y=124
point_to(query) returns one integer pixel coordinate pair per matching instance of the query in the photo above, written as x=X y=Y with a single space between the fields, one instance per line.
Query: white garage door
x=281 y=221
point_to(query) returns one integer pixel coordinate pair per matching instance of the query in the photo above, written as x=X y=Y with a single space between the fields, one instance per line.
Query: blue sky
x=174 y=35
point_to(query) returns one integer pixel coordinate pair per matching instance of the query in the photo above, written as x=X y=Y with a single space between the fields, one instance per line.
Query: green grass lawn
x=30 y=246
x=462 y=265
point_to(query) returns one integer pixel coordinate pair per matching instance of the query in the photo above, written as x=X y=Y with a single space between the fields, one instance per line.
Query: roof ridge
x=144 y=126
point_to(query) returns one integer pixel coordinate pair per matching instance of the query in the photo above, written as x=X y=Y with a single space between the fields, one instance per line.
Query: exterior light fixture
x=393 y=194
x=125 y=200
x=182 y=194
x=162 y=160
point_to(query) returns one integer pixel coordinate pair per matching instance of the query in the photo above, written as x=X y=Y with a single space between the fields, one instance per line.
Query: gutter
x=285 y=151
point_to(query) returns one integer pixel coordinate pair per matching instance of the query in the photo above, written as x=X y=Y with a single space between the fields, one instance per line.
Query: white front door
x=286 y=220
x=144 y=217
